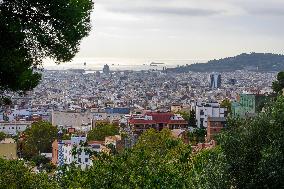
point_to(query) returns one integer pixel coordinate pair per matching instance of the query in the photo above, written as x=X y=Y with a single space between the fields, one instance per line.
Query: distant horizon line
x=118 y=64
x=146 y=60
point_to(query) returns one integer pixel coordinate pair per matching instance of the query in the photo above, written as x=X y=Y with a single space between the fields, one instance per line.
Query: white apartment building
x=69 y=119
x=82 y=157
x=17 y=113
x=205 y=110
x=15 y=127
x=101 y=115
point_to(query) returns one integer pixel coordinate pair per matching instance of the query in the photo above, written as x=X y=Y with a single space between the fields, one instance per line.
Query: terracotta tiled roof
x=177 y=122
x=157 y=118
x=177 y=132
x=141 y=121
x=160 y=117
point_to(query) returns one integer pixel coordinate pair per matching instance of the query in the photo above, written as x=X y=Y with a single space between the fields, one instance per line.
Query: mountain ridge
x=245 y=61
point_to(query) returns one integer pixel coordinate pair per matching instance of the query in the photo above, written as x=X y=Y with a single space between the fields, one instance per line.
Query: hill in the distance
x=253 y=61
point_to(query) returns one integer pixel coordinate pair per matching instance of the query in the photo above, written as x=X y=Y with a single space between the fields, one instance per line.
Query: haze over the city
x=180 y=31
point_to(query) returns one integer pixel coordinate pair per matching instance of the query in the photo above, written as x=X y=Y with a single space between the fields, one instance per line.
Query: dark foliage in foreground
x=31 y=31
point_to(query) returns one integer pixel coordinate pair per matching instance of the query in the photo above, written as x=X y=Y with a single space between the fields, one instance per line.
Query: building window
x=201 y=122
x=79 y=160
x=86 y=159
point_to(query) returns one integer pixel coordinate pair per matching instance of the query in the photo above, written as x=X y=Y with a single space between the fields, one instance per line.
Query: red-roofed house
x=156 y=120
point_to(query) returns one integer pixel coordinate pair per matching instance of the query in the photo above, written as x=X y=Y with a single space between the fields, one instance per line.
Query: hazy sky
x=184 y=29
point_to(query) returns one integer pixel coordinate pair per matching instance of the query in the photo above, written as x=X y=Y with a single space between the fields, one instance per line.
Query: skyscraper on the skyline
x=106 y=69
x=215 y=80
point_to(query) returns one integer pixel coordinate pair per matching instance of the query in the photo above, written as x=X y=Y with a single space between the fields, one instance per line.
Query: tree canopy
x=192 y=119
x=101 y=131
x=156 y=161
x=226 y=103
x=197 y=136
x=254 y=149
x=38 y=138
x=15 y=174
x=185 y=115
x=278 y=85
x=2 y=136
x=31 y=31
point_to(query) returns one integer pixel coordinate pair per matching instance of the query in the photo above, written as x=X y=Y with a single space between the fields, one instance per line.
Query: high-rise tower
x=215 y=80
x=106 y=69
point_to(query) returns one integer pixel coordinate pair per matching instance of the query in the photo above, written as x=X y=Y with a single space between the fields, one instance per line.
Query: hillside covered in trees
x=251 y=61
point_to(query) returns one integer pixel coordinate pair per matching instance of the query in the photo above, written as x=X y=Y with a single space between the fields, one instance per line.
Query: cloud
x=260 y=7
x=184 y=28
x=178 y=11
x=267 y=11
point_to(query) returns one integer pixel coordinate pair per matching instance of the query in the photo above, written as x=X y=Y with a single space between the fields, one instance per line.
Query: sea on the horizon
x=117 y=64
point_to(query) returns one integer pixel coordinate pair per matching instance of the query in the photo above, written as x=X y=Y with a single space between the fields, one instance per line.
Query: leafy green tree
x=15 y=174
x=38 y=139
x=73 y=177
x=162 y=143
x=101 y=131
x=157 y=161
x=254 y=149
x=197 y=136
x=43 y=163
x=2 y=136
x=185 y=115
x=66 y=135
x=192 y=119
x=226 y=103
x=278 y=85
x=209 y=169
x=31 y=31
